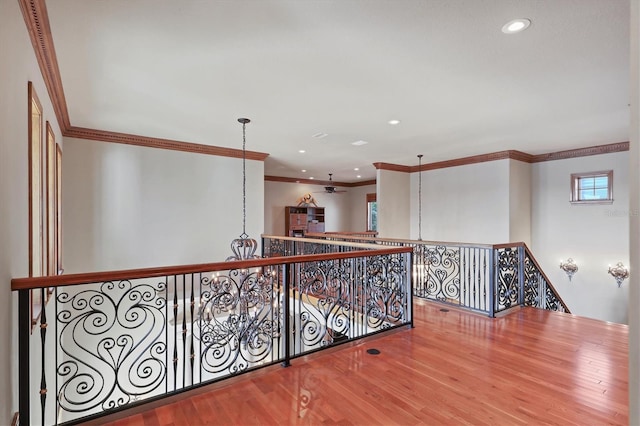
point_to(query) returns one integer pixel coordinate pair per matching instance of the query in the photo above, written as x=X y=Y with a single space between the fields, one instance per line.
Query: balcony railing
x=478 y=277
x=109 y=341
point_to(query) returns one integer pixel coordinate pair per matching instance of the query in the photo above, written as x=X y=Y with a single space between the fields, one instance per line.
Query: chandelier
x=244 y=248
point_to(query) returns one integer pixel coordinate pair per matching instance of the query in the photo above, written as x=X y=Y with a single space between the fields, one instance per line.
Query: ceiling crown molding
x=582 y=152
x=37 y=22
x=392 y=167
x=36 y=19
x=482 y=158
x=268 y=178
x=509 y=154
x=128 y=139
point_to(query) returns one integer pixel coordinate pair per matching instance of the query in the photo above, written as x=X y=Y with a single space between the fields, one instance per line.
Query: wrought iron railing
x=109 y=341
x=274 y=246
x=483 y=278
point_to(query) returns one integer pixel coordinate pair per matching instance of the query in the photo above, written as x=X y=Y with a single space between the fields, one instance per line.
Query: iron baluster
x=24 y=321
x=175 y=334
x=43 y=340
x=192 y=354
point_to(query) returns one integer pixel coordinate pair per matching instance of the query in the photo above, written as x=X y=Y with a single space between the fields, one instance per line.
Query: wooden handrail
x=92 y=277
x=397 y=240
x=507 y=245
x=306 y=239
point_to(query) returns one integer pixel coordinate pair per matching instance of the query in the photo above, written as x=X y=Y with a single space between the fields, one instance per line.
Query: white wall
x=278 y=195
x=131 y=207
x=17 y=66
x=358 y=207
x=634 y=219
x=519 y=202
x=467 y=203
x=595 y=236
x=393 y=198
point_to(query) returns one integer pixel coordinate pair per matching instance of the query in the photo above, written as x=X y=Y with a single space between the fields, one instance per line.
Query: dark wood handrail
x=92 y=277
x=508 y=245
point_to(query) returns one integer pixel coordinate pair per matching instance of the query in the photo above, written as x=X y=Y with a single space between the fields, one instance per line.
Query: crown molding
x=128 y=139
x=362 y=183
x=510 y=154
x=268 y=178
x=481 y=158
x=582 y=152
x=392 y=167
x=36 y=19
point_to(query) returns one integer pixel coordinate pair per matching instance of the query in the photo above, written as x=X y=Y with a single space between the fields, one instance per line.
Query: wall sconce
x=620 y=273
x=569 y=267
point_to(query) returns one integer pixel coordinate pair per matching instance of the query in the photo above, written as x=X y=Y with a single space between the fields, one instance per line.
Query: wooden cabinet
x=301 y=220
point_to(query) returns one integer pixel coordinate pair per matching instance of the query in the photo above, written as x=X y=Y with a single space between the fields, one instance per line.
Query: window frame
x=371 y=198
x=58 y=211
x=575 y=187
x=37 y=201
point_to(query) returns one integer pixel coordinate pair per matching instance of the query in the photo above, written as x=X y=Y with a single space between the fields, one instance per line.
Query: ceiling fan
x=330 y=189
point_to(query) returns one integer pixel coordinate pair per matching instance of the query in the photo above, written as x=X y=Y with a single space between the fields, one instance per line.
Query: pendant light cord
x=419 y=197
x=244 y=181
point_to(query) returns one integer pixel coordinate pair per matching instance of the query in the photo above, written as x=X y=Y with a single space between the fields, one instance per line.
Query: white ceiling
x=187 y=69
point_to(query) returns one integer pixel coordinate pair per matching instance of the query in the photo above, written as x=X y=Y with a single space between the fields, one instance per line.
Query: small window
x=372 y=212
x=593 y=187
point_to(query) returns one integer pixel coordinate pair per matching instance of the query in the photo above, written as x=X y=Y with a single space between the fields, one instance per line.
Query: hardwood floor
x=529 y=367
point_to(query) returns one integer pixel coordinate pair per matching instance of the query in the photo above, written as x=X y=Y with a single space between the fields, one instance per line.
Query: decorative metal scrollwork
x=507 y=278
x=239 y=320
x=386 y=296
x=536 y=288
x=531 y=284
x=112 y=345
x=326 y=302
x=552 y=301
x=437 y=271
x=275 y=247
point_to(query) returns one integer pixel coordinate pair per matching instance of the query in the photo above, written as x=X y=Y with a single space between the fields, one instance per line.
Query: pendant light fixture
x=244 y=248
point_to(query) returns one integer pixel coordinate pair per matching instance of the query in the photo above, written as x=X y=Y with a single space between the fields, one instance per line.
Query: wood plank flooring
x=454 y=368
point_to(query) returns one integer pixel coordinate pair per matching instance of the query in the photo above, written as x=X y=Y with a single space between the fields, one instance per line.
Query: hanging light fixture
x=419 y=197
x=422 y=260
x=244 y=248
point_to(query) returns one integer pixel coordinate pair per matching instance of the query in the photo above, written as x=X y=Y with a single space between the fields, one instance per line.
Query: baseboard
x=16 y=419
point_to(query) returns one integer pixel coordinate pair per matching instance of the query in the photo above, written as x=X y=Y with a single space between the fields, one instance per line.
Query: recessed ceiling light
x=302 y=151
x=358 y=143
x=393 y=122
x=356 y=169
x=358 y=176
x=516 y=26
x=311 y=178
x=320 y=135
x=304 y=170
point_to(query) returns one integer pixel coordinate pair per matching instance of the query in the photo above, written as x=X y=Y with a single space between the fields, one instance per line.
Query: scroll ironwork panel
x=538 y=292
x=112 y=344
x=387 y=294
x=438 y=273
x=239 y=321
x=506 y=280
